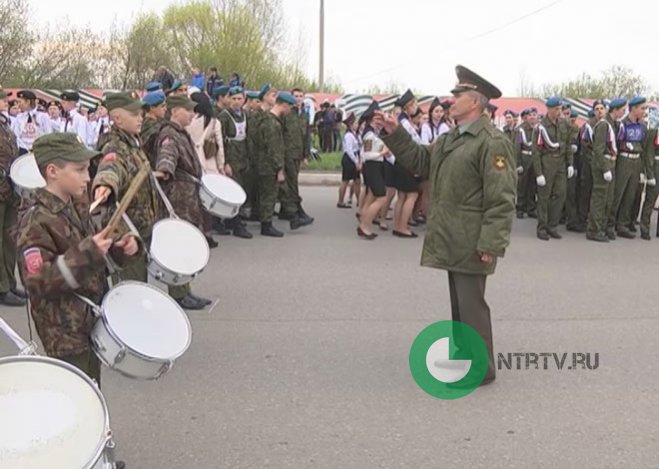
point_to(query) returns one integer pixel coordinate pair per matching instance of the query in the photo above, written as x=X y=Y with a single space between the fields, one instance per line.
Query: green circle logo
x=448 y=359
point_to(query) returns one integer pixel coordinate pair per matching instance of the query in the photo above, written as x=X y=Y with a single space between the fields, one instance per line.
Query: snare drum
x=178 y=253
x=141 y=331
x=25 y=174
x=221 y=196
x=52 y=415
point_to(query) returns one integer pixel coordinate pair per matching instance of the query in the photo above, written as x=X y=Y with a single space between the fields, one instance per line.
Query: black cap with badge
x=73 y=96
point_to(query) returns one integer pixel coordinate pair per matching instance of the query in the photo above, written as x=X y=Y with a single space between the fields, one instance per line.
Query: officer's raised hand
x=386 y=121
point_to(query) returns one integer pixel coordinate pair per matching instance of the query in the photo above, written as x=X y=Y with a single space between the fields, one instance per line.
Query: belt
x=527 y=152
x=609 y=157
x=631 y=156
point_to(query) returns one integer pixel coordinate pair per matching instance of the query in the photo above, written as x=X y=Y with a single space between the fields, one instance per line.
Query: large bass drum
x=51 y=415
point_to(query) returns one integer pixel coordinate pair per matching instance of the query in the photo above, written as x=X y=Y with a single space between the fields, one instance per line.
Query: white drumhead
x=49 y=415
x=25 y=172
x=147 y=320
x=224 y=188
x=179 y=246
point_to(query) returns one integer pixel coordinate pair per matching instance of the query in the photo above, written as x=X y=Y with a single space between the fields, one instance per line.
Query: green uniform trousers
x=651 y=194
x=551 y=197
x=601 y=199
x=628 y=174
x=526 y=187
x=585 y=188
x=289 y=191
x=268 y=191
x=467 y=292
x=136 y=270
x=86 y=362
x=8 y=248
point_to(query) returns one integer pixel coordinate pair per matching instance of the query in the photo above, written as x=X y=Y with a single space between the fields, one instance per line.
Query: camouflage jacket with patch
x=8 y=153
x=58 y=257
x=235 y=152
x=178 y=158
x=123 y=158
x=270 y=149
x=295 y=134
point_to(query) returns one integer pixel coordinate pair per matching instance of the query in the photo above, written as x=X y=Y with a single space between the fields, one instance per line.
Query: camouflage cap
x=180 y=101
x=61 y=145
x=128 y=100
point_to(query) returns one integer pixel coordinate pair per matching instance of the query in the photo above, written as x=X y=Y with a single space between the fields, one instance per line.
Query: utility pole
x=321 y=65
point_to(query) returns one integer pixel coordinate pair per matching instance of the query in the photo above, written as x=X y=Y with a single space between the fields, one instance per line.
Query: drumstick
x=95 y=204
x=113 y=224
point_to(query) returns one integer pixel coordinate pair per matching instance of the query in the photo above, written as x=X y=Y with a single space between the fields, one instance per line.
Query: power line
x=470 y=39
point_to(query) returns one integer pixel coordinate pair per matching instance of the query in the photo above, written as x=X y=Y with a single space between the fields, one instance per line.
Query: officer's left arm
x=273 y=136
x=414 y=157
x=499 y=185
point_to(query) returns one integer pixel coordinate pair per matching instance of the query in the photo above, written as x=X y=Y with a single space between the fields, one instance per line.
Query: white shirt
x=30 y=125
x=75 y=123
x=94 y=130
x=407 y=125
x=373 y=147
x=351 y=147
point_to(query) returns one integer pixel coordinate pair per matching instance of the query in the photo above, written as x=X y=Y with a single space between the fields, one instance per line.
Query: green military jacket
x=604 y=150
x=149 y=137
x=295 y=134
x=523 y=142
x=58 y=257
x=254 y=119
x=554 y=142
x=178 y=158
x=8 y=153
x=510 y=132
x=122 y=159
x=473 y=180
x=651 y=156
x=270 y=149
x=235 y=146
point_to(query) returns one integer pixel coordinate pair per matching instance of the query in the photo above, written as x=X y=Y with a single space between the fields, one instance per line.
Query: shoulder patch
x=499 y=161
x=110 y=157
x=166 y=141
x=33 y=260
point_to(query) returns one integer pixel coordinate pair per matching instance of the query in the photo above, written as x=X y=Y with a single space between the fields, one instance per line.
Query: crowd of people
x=598 y=178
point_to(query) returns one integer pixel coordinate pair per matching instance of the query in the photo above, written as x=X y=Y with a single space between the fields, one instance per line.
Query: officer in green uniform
x=234 y=131
x=572 y=194
x=510 y=128
x=585 y=173
x=296 y=129
x=651 y=190
x=473 y=172
x=605 y=151
x=552 y=156
x=526 y=186
x=629 y=167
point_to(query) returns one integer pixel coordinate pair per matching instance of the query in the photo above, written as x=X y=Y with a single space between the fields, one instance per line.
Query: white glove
x=520 y=170
x=541 y=181
x=608 y=176
x=570 y=172
x=643 y=179
x=574 y=148
x=652 y=182
x=629 y=146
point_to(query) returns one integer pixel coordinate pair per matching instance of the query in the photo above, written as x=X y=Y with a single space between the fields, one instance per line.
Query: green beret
x=128 y=100
x=218 y=91
x=286 y=97
x=264 y=90
x=61 y=145
x=252 y=95
x=234 y=90
x=180 y=101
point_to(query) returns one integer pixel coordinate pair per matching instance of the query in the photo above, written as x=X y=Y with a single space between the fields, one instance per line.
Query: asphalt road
x=303 y=363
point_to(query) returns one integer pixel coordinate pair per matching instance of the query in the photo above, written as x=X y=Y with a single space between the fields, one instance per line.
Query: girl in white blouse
x=351 y=164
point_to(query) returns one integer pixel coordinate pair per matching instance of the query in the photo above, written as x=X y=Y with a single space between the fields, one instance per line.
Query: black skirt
x=348 y=169
x=404 y=180
x=374 y=178
x=389 y=176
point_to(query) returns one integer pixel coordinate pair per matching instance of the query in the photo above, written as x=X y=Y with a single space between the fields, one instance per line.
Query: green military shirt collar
x=474 y=127
x=133 y=142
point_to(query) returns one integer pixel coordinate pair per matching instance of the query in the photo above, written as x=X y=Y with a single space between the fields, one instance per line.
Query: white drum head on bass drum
x=147 y=320
x=179 y=246
x=50 y=416
x=25 y=172
x=224 y=188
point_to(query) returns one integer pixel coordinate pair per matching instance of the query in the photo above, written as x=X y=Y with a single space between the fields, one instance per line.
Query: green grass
x=327 y=162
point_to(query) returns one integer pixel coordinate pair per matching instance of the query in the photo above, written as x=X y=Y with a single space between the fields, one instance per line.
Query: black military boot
x=304 y=215
x=240 y=230
x=219 y=227
x=645 y=235
x=268 y=230
x=285 y=216
x=599 y=237
x=553 y=233
x=190 y=302
x=298 y=222
x=610 y=234
x=211 y=242
x=520 y=215
x=543 y=235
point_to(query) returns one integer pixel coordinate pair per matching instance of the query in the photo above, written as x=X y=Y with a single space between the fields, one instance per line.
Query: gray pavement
x=304 y=361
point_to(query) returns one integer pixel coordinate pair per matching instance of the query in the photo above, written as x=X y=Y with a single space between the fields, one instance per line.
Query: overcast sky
x=418 y=46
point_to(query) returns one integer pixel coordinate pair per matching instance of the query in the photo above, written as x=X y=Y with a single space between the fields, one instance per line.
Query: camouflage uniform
x=123 y=158
x=8 y=205
x=178 y=158
x=269 y=161
x=254 y=119
x=236 y=148
x=58 y=257
x=295 y=133
x=149 y=137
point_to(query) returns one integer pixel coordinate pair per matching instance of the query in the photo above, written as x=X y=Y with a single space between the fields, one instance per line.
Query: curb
x=319 y=178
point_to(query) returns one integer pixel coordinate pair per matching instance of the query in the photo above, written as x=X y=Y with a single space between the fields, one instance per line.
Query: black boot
x=303 y=215
x=201 y=300
x=11 y=299
x=285 y=216
x=190 y=302
x=268 y=230
x=240 y=230
x=219 y=227
x=211 y=242
x=298 y=222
